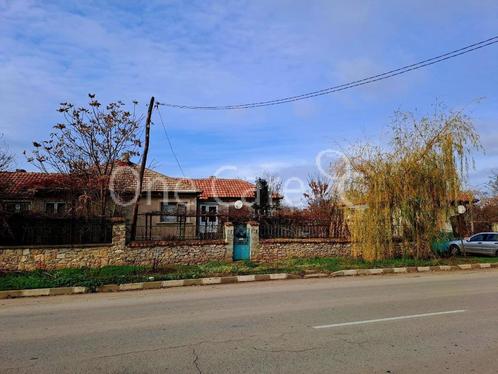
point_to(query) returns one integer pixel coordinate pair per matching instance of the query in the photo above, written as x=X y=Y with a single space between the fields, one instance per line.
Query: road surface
x=415 y=323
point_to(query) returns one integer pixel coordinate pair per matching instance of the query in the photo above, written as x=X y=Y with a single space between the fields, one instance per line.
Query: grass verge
x=93 y=278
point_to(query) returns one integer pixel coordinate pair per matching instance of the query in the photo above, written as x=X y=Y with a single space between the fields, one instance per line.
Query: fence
x=20 y=229
x=277 y=227
x=157 y=226
x=177 y=226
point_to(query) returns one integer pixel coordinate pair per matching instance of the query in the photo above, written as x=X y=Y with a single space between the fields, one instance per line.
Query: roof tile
x=213 y=187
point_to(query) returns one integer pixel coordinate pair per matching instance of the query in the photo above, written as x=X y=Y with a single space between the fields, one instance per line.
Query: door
x=208 y=219
x=475 y=244
x=241 y=249
x=491 y=244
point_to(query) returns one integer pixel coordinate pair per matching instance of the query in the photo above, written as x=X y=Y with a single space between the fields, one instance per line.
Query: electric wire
x=346 y=86
x=169 y=142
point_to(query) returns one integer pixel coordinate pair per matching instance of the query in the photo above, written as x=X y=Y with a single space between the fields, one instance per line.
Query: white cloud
x=219 y=53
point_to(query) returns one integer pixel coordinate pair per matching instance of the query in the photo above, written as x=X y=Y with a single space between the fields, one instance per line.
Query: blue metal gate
x=241 y=250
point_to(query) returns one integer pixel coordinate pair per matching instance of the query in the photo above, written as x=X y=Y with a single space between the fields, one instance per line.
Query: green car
x=441 y=245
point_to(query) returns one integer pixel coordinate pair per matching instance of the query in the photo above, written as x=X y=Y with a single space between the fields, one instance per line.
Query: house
x=455 y=220
x=17 y=196
x=220 y=197
x=218 y=194
x=198 y=202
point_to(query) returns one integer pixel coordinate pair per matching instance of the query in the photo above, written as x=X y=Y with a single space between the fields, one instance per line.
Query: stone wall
x=117 y=253
x=164 y=253
x=270 y=250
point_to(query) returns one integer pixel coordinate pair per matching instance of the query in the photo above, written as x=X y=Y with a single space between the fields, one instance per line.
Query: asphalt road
x=440 y=322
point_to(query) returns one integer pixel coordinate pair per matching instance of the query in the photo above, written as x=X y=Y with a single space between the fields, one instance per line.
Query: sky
x=229 y=52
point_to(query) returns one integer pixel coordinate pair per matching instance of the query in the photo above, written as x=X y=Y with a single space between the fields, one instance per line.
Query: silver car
x=483 y=243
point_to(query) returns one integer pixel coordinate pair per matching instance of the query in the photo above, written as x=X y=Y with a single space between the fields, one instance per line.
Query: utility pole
x=142 y=168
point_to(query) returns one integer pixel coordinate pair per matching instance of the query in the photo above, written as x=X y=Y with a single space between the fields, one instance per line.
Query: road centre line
x=389 y=319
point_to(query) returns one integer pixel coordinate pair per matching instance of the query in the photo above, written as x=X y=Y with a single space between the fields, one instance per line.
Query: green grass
x=94 y=278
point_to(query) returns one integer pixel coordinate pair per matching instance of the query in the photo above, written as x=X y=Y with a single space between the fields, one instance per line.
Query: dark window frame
x=172 y=210
x=473 y=239
x=59 y=207
x=209 y=213
x=18 y=206
x=491 y=238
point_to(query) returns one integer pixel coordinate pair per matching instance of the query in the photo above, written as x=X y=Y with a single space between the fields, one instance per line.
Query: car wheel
x=454 y=250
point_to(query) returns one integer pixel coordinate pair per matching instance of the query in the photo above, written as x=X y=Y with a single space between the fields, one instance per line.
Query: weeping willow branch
x=405 y=194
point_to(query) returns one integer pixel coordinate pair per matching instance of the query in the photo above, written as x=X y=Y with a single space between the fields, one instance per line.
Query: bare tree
x=274 y=183
x=6 y=158
x=87 y=143
x=493 y=184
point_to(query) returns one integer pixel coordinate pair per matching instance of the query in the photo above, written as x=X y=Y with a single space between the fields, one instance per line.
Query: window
x=171 y=211
x=477 y=238
x=208 y=213
x=492 y=238
x=17 y=206
x=55 y=208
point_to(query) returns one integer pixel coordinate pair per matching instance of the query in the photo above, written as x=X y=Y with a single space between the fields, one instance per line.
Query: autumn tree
x=323 y=202
x=84 y=147
x=485 y=213
x=319 y=194
x=407 y=189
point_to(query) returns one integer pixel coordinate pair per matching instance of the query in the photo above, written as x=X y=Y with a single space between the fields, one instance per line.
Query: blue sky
x=209 y=53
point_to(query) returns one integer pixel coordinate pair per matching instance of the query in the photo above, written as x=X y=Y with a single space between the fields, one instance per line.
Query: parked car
x=483 y=243
x=441 y=244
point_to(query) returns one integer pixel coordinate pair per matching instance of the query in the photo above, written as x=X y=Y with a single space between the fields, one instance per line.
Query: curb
x=10 y=294
x=43 y=292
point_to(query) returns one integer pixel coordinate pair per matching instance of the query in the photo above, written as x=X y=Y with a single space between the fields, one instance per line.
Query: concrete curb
x=43 y=292
x=234 y=279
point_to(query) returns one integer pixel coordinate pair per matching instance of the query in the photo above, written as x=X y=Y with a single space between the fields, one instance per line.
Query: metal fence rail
x=157 y=226
x=293 y=229
x=19 y=229
x=178 y=226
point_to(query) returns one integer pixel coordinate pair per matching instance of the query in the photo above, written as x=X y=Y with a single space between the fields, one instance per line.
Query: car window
x=477 y=238
x=492 y=238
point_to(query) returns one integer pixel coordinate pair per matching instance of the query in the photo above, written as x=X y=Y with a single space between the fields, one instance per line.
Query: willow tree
x=403 y=194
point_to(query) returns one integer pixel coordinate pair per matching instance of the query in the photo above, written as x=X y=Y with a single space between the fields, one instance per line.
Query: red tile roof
x=213 y=187
x=126 y=179
x=20 y=184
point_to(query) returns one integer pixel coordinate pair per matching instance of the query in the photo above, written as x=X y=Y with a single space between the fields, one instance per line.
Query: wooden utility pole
x=142 y=169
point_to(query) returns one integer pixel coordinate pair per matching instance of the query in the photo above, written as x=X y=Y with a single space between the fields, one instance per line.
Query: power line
x=169 y=142
x=346 y=86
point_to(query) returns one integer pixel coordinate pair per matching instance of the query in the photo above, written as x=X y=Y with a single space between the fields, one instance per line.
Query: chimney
x=126 y=157
x=20 y=171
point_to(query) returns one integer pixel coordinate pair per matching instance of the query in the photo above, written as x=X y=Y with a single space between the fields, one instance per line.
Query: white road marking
x=389 y=319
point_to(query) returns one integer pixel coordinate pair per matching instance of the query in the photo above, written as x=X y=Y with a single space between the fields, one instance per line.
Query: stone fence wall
x=164 y=253
x=269 y=250
x=117 y=253
x=278 y=249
